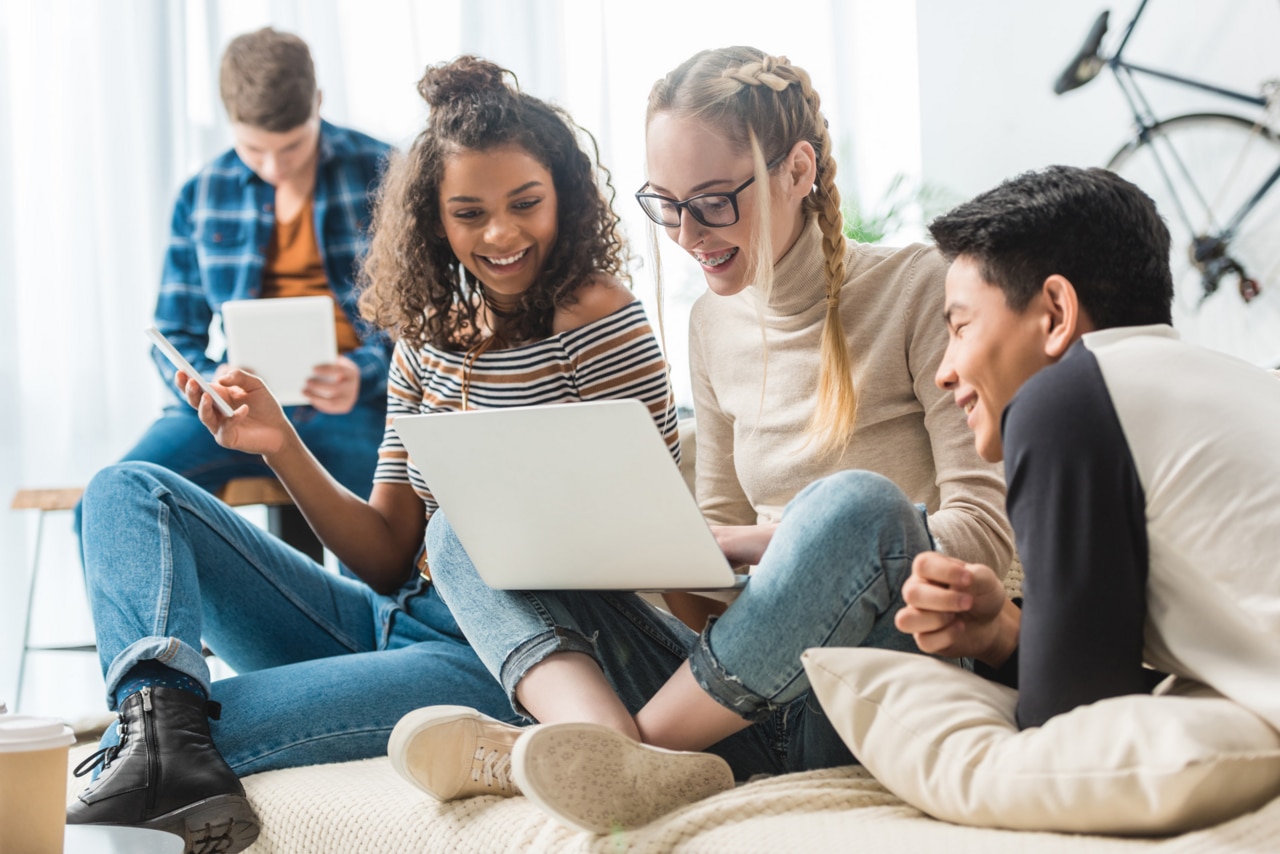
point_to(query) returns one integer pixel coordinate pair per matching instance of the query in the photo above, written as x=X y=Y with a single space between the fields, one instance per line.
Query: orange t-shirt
x=294 y=268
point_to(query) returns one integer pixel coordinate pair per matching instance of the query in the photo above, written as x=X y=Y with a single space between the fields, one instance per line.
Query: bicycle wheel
x=1201 y=169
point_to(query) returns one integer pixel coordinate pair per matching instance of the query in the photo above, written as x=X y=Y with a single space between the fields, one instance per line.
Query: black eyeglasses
x=714 y=210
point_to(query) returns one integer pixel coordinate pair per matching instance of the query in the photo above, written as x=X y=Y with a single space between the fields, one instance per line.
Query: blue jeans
x=831 y=576
x=326 y=665
x=346 y=445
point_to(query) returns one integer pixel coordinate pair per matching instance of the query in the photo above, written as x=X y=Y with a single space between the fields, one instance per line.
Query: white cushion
x=945 y=741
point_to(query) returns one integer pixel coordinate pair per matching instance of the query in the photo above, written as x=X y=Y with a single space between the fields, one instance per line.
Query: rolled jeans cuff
x=170 y=652
x=723 y=687
x=532 y=651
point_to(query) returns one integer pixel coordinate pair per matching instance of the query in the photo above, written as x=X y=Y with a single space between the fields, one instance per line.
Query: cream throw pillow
x=944 y=740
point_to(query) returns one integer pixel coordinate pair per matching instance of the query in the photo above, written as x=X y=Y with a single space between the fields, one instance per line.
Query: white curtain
x=105 y=108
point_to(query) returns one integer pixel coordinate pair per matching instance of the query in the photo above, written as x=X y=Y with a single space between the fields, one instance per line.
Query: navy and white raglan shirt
x=1144 y=492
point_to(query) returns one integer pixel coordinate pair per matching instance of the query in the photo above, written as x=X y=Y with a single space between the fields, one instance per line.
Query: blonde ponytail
x=837 y=409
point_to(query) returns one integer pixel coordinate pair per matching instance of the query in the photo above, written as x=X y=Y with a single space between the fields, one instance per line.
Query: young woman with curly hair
x=496 y=263
x=827 y=458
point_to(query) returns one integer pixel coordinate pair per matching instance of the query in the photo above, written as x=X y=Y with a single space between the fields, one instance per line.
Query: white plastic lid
x=27 y=732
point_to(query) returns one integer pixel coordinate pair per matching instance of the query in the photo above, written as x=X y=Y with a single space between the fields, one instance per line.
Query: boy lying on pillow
x=1143 y=472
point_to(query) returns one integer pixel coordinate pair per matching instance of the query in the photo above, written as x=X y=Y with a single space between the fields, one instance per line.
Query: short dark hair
x=1089 y=225
x=268 y=80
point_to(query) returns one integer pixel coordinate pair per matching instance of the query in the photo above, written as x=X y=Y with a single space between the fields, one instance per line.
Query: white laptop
x=281 y=340
x=574 y=496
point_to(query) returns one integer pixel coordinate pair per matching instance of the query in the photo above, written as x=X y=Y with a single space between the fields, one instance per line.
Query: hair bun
x=465 y=78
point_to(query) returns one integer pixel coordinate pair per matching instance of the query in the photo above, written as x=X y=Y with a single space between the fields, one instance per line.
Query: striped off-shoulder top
x=616 y=356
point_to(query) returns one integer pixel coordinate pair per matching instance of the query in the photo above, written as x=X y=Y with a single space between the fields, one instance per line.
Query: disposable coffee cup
x=33 y=784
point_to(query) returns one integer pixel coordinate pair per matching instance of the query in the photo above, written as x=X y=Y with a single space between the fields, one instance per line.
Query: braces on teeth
x=717 y=260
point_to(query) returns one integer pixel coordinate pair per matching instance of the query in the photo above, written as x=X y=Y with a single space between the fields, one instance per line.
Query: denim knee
x=855 y=496
x=116 y=496
x=122 y=477
x=831 y=576
x=858 y=512
x=107 y=486
x=105 y=490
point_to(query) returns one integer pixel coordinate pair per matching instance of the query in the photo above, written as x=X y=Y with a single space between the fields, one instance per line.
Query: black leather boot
x=166 y=775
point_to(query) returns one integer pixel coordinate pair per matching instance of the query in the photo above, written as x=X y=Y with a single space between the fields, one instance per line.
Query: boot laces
x=106 y=755
x=492 y=766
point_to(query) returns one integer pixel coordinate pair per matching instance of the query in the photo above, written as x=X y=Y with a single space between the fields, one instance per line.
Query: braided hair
x=764 y=105
x=413 y=283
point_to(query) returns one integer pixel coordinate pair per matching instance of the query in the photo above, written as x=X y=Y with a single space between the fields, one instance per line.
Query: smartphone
x=172 y=354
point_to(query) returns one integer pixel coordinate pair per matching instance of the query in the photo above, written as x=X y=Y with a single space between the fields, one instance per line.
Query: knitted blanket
x=363 y=806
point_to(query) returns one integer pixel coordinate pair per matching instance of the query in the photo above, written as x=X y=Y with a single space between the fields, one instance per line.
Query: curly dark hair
x=1090 y=225
x=414 y=285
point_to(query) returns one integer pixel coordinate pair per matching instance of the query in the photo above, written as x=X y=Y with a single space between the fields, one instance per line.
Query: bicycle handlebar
x=1086 y=64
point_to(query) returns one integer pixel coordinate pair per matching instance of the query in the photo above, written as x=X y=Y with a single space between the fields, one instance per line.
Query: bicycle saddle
x=1086 y=64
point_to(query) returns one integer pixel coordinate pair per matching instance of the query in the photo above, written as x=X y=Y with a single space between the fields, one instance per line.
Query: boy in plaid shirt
x=283 y=213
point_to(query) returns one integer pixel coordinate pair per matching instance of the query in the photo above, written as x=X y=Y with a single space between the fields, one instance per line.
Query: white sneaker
x=598 y=780
x=453 y=752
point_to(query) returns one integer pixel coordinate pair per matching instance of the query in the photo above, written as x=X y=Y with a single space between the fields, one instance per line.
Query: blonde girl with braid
x=827 y=459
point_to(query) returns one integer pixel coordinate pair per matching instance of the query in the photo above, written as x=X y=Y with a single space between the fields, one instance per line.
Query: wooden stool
x=283 y=519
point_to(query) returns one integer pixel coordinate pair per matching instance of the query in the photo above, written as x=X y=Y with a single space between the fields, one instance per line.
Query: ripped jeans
x=831 y=576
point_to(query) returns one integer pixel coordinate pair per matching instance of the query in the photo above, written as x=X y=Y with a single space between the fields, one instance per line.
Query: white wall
x=987 y=68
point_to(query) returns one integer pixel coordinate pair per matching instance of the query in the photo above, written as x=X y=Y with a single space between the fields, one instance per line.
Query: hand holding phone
x=172 y=354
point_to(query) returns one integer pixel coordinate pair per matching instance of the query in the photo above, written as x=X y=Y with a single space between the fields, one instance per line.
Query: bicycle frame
x=1144 y=117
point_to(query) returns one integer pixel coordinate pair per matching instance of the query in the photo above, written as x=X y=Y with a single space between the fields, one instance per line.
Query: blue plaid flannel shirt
x=222 y=222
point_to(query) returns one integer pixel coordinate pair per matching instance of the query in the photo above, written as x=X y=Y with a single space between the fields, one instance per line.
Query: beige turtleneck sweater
x=752 y=452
